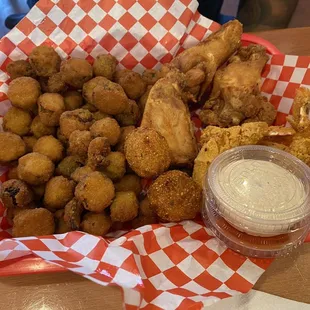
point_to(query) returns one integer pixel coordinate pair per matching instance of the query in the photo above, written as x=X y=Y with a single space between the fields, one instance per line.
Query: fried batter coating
x=33 y=222
x=142 y=220
x=75 y=72
x=145 y=208
x=68 y=165
x=70 y=121
x=35 y=168
x=80 y=173
x=51 y=106
x=58 y=192
x=12 y=173
x=20 y=68
x=30 y=141
x=12 y=147
x=50 y=147
x=105 y=65
x=150 y=76
x=132 y=83
x=130 y=116
x=95 y=192
x=108 y=97
x=90 y=107
x=38 y=191
x=16 y=194
x=43 y=83
x=129 y=183
x=73 y=100
x=174 y=196
x=17 y=121
x=143 y=99
x=108 y=128
x=125 y=131
x=147 y=152
x=61 y=138
x=78 y=143
x=98 y=150
x=116 y=167
x=61 y=226
x=300 y=148
x=38 y=129
x=72 y=214
x=55 y=83
x=44 y=60
x=96 y=224
x=124 y=207
x=24 y=92
x=99 y=115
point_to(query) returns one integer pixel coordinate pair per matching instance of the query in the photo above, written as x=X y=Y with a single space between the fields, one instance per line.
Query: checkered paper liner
x=162 y=266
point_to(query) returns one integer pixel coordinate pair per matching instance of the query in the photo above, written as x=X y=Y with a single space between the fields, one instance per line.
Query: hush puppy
x=108 y=128
x=98 y=150
x=73 y=100
x=44 y=60
x=96 y=224
x=68 y=165
x=80 y=173
x=72 y=214
x=58 y=192
x=17 y=121
x=33 y=222
x=35 y=168
x=125 y=131
x=174 y=196
x=75 y=72
x=38 y=129
x=116 y=167
x=105 y=65
x=95 y=192
x=50 y=147
x=12 y=147
x=55 y=84
x=24 y=92
x=130 y=116
x=51 y=106
x=20 y=68
x=147 y=152
x=78 y=143
x=124 y=207
x=129 y=183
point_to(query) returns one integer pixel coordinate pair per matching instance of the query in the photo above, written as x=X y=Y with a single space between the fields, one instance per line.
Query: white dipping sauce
x=262 y=191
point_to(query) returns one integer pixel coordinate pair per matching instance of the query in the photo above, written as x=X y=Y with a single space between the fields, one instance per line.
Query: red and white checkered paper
x=162 y=266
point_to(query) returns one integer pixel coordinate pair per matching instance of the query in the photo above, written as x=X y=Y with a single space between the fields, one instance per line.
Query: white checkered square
x=158 y=31
x=195 y=288
x=56 y=15
x=77 y=14
x=97 y=14
x=58 y=36
x=117 y=31
x=285 y=105
x=290 y=60
x=219 y=270
x=275 y=72
x=280 y=88
x=177 y=9
x=167 y=301
x=115 y=256
x=37 y=36
x=161 y=282
x=16 y=36
x=117 y=11
x=298 y=75
x=127 y=279
x=161 y=259
x=216 y=245
x=157 y=11
x=138 y=31
x=190 y=267
x=78 y=34
x=190 y=245
x=137 y=11
x=36 y=15
x=250 y=271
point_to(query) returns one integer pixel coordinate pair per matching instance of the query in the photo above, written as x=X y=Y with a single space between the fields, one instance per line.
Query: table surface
x=287 y=277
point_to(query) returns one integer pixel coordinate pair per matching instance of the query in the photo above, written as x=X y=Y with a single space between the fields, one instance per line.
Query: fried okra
x=124 y=207
x=150 y=76
x=98 y=150
x=72 y=214
x=12 y=173
x=55 y=84
x=80 y=173
x=16 y=194
x=146 y=215
x=30 y=141
x=129 y=183
x=51 y=106
x=61 y=226
x=17 y=121
x=35 y=168
x=20 y=68
x=58 y=192
x=70 y=121
x=38 y=129
x=12 y=147
x=116 y=167
x=75 y=72
x=33 y=222
x=147 y=152
x=90 y=107
x=105 y=65
x=50 y=147
x=174 y=196
x=96 y=224
x=108 y=128
x=78 y=143
x=38 y=191
x=68 y=165
x=95 y=192
x=132 y=83
x=44 y=60
x=125 y=131
x=130 y=116
x=73 y=100
x=99 y=115
x=24 y=92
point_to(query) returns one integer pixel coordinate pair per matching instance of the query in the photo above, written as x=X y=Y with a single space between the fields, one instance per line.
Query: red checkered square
x=127 y=20
x=169 y=41
x=147 y=21
x=107 y=22
x=168 y=21
x=45 y=5
x=87 y=24
x=238 y=283
x=47 y=26
x=67 y=25
x=207 y=281
x=86 y=6
x=176 y=276
x=128 y=41
x=26 y=26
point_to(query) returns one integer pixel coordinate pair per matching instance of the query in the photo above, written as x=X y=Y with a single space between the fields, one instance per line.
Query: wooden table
x=287 y=277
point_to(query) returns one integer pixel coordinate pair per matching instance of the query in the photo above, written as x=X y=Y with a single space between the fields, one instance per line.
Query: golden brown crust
x=17 y=121
x=50 y=147
x=12 y=147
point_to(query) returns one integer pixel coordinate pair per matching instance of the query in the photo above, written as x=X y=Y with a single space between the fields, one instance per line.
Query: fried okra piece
x=61 y=138
x=50 y=147
x=150 y=76
x=75 y=72
x=38 y=191
x=30 y=141
x=73 y=100
x=44 y=60
x=24 y=92
x=17 y=121
x=132 y=83
x=146 y=215
x=80 y=173
x=174 y=196
x=130 y=116
x=116 y=167
x=12 y=147
x=125 y=131
x=68 y=165
x=78 y=143
x=124 y=207
x=105 y=65
x=72 y=214
x=99 y=115
x=55 y=84
x=38 y=129
x=33 y=222
x=16 y=194
x=51 y=106
x=60 y=224
x=12 y=173
x=108 y=128
x=43 y=83
x=58 y=192
x=95 y=192
x=98 y=150
x=20 y=68
x=129 y=183
x=35 y=168
x=147 y=152
x=70 y=121
x=90 y=107
x=96 y=224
